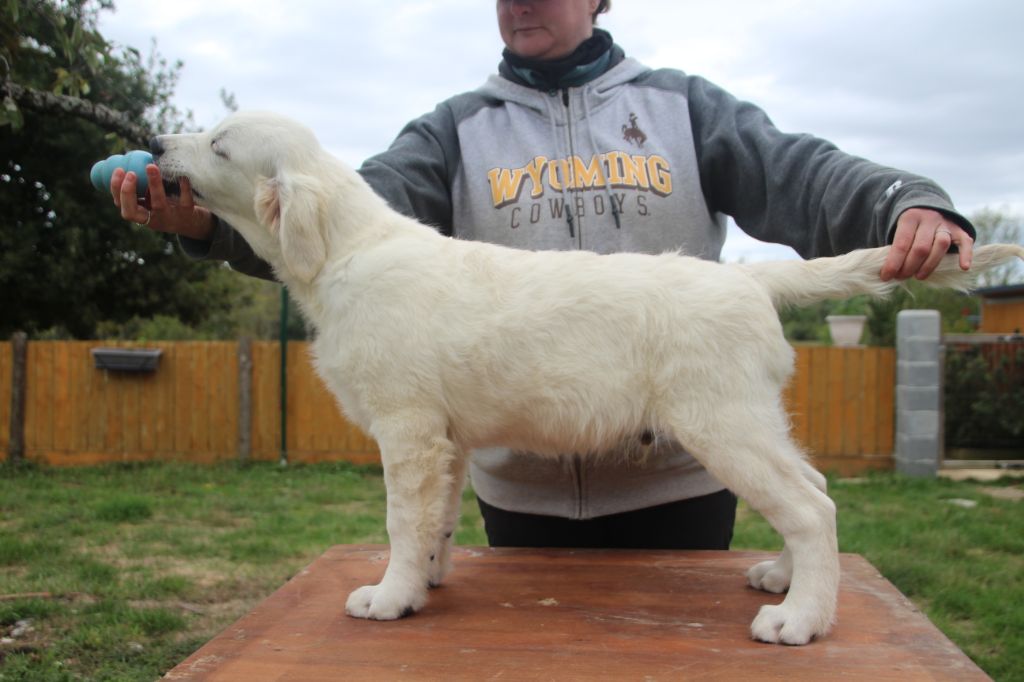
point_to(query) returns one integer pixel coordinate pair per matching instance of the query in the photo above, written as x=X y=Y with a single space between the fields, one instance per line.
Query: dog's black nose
x=156 y=146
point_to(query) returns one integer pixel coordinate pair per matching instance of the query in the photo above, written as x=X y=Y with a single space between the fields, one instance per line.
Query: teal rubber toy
x=134 y=161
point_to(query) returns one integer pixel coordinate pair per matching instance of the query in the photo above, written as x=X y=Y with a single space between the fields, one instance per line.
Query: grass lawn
x=118 y=573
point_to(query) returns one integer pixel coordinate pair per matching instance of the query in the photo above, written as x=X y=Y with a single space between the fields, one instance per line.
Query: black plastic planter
x=126 y=359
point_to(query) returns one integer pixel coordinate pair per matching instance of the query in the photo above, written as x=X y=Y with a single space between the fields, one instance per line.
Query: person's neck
x=588 y=60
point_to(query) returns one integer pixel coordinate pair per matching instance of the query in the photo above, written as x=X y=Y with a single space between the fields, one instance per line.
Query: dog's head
x=262 y=174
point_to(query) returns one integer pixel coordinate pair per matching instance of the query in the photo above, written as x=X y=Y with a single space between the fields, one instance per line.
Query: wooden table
x=525 y=614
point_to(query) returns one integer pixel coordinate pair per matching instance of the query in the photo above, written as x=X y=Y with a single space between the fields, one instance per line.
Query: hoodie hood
x=598 y=91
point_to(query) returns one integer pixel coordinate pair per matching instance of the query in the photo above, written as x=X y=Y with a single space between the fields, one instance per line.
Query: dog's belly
x=554 y=414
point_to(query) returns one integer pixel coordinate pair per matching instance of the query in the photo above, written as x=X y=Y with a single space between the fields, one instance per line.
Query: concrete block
x=925 y=323
x=919 y=349
x=918 y=374
x=918 y=468
x=918 y=398
x=918 y=423
x=917 y=447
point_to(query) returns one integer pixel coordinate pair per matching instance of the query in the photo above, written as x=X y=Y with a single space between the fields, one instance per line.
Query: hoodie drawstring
x=593 y=145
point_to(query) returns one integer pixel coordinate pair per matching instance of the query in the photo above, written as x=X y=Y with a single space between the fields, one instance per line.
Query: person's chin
x=532 y=46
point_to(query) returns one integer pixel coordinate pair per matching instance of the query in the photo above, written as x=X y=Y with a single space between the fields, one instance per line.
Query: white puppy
x=436 y=346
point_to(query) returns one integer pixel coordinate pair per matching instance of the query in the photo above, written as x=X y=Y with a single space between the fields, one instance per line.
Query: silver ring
x=149 y=216
x=943 y=231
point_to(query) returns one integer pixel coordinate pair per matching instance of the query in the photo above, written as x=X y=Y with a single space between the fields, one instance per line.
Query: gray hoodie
x=633 y=160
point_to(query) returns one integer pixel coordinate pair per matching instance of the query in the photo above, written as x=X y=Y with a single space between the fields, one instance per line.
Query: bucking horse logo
x=632 y=132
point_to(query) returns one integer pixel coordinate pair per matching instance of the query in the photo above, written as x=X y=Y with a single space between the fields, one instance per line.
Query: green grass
x=143 y=564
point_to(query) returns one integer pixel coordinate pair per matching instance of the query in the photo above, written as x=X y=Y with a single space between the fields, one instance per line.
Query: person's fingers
x=947 y=235
x=909 y=249
x=942 y=239
x=116 y=179
x=965 y=244
x=157 y=196
x=130 y=208
x=186 y=200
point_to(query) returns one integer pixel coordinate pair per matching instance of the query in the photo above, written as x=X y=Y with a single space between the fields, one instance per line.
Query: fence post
x=19 y=380
x=919 y=445
x=244 y=399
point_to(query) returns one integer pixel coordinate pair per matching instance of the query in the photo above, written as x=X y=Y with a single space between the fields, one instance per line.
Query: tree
x=68 y=33
x=993 y=227
x=67 y=260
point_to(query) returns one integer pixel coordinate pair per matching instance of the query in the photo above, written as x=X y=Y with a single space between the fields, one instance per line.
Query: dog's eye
x=218 y=149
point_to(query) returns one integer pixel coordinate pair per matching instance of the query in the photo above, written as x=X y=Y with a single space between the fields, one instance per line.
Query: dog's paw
x=439 y=568
x=440 y=563
x=379 y=603
x=784 y=624
x=771 y=576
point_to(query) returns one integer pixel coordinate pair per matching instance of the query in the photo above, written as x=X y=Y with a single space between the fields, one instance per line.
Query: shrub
x=985 y=396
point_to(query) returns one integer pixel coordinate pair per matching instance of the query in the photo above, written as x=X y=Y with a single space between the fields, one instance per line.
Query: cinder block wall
x=919 y=439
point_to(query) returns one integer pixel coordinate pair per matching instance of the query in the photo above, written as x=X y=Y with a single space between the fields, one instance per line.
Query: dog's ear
x=268 y=204
x=291 y=206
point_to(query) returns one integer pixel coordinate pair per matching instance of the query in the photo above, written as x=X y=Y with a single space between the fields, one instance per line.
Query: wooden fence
x=842 y=405
x=841 y=400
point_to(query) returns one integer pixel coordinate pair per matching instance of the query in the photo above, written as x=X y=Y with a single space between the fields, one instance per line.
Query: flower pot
x=846 y=330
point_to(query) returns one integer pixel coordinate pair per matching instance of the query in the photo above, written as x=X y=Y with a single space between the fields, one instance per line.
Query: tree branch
x=103 y=116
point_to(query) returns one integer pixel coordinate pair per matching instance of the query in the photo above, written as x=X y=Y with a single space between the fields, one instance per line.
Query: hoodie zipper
x=575 y=231
x=575 y=228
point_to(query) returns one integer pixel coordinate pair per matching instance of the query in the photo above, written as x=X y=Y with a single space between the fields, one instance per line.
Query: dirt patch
x=213 y=618
x=1011 y=493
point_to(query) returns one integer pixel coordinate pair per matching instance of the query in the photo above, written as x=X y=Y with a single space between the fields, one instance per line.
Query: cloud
x=924 y=86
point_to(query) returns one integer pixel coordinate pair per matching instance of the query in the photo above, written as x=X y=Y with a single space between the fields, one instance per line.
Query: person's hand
x=156 y=210
x=923 y=236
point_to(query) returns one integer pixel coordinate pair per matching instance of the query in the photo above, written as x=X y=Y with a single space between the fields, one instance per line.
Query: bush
x=985 y=396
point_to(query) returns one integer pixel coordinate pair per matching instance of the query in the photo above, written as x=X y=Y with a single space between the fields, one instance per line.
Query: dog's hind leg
x=776 y=574
x=418 y=465
x=744 y=444
x=441 y=561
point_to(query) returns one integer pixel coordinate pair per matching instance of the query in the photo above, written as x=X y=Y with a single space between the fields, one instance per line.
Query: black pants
x=699 y=523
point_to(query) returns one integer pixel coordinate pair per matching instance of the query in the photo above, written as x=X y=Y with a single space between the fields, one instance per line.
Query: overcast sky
x=931 y=86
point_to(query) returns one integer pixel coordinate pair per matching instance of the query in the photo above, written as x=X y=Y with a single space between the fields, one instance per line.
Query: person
x=574 y=145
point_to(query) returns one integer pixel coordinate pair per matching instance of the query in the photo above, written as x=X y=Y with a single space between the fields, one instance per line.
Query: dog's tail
x=798 y=282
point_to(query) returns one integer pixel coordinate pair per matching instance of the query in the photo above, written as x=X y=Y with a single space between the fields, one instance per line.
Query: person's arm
x=414 y=174
x=226 y=244
x=802 y=191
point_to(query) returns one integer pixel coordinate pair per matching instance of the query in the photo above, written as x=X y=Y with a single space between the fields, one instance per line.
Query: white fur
x=436 y=346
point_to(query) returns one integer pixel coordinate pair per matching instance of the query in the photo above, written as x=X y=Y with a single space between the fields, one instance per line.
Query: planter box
x=126 y=359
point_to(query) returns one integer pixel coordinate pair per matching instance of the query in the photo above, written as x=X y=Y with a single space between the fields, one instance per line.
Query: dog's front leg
x=441 y=562
x=418 y=477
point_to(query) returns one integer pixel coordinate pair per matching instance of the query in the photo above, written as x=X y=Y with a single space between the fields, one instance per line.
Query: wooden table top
x=531 y=614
